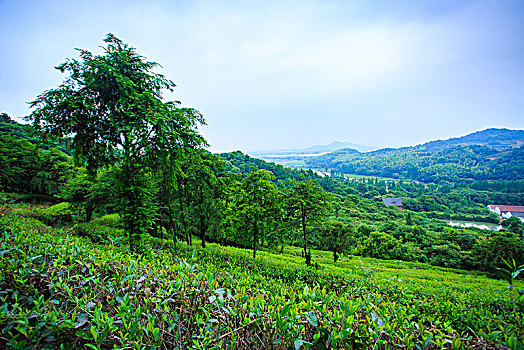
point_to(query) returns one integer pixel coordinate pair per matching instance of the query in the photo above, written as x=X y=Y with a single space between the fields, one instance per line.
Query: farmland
x=59 y=288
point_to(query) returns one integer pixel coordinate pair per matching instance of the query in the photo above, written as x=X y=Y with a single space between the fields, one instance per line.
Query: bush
x=489 y=251
x=56 y=215
x=100 y=233
x=111 y=220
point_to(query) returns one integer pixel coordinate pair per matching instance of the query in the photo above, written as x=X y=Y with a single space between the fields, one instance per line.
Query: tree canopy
x=112 y=107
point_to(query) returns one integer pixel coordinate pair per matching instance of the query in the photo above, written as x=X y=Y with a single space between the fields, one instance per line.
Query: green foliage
x=112 y=106
x=56 y=215
x=100 y=231
x=514 y=225
x=9 y=126
x=336 y=237
x=459 y=163
x=306 y=203
x=257 y=205
x=490 y=251
x=382 y=245
x=27 y=168
x=110 y=220
x=239 y=162
x=61 y=289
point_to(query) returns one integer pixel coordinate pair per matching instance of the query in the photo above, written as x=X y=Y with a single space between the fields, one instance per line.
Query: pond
x=476 y=224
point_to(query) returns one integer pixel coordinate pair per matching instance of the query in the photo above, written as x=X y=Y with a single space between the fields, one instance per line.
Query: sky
x=292 y=74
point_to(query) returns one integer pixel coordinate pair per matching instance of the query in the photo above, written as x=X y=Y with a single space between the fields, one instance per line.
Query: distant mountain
x=333 y=146
x=494 y=138
x=297 y=157
x=492 y=154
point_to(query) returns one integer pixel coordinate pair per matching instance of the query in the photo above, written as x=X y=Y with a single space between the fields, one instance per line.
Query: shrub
x=100 y=233
x=56 y=215
x=111 y=220
x=489 y=251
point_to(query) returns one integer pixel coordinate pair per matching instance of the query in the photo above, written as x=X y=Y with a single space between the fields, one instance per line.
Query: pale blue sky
x=291 y=74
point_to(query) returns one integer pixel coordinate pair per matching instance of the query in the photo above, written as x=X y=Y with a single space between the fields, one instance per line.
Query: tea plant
x=59 y=290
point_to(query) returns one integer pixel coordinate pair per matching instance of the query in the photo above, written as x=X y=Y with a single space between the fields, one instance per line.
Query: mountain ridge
x=490 y=154
x=333 y=146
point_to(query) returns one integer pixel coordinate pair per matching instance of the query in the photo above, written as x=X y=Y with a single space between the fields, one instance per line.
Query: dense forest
x=438 y=161
x=107 y=171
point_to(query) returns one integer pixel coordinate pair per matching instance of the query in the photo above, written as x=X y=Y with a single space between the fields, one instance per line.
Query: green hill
x=493 y=154
x=57 y=288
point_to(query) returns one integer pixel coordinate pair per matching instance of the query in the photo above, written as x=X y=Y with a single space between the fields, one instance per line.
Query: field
x=58 y=288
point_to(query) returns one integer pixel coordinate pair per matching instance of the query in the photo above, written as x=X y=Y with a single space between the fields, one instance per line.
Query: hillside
x=143 y=239
x=493 y=154
x=500 y=139
x=59 y=288
x=297 y=157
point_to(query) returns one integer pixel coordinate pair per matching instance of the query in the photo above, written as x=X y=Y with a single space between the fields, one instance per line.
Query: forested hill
x=500 y=156
x=238 y=162
x=500 y=139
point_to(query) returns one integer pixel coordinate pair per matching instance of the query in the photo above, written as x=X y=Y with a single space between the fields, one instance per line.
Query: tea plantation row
x=58 y=290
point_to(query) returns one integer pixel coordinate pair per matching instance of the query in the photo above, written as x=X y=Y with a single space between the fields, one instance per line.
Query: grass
x=59 y=290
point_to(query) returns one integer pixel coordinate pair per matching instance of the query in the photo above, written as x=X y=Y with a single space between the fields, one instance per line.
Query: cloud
x=292 y=73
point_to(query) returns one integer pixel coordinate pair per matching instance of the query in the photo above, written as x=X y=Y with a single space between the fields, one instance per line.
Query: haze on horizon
x=292 y=74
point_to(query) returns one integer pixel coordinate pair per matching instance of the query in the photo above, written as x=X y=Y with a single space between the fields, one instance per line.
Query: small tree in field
x=112 y=107
x=336 y=237
x=306 y=201
x=257 y=205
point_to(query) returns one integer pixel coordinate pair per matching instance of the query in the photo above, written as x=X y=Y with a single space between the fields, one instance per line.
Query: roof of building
x=397 y=202
x=504 y=208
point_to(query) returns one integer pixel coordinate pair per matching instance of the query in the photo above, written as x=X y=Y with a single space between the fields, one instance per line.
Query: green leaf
x=516 y=273
x=298 y=343
x=81 y=320
x=285 y=310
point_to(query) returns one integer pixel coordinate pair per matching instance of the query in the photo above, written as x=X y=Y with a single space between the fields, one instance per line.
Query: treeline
x=454 y=164
x=212 y=199
x=29 y=169
x=238 y=162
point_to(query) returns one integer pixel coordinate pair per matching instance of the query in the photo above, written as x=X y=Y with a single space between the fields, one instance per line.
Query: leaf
x=456 y=344
x=5 y=251
x=516 y=273
x=285 y=310
x=81 y=320
x=90 y=305
x=298 y=343
x=507 y=263
x=375 y=317
x=312 y=318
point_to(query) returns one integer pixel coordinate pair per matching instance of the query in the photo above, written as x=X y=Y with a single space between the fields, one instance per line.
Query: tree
x=257 y=203
x=514 y=224
x=307 y=202
x=27 y=168
x=490 y=251
x=206 y=191
x=112 y=106
x=336 y=237
x=381 y=245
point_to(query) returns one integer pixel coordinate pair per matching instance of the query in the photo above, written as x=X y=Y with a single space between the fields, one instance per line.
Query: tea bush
x=59 y=290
